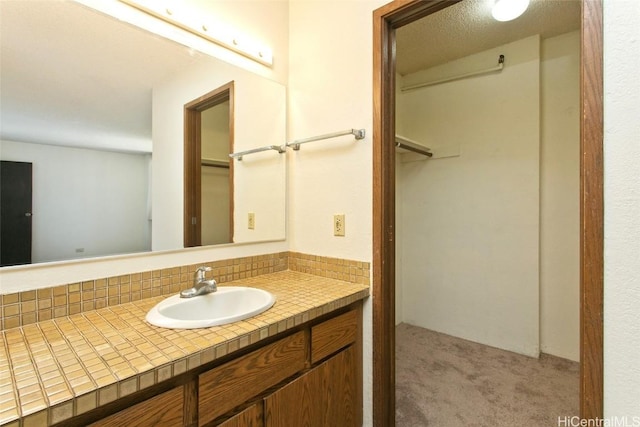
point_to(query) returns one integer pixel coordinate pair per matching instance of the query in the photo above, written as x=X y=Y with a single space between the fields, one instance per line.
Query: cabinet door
x=324 y=396
x=334 y=334
x=234 y=383
x=166 y=409
x=250 y=417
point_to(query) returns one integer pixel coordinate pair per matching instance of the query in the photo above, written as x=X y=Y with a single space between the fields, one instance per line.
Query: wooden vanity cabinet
x=327 y=394
x=324 y=396
x=334 y=334
x=166 y=409
x=250 y=417
x=311 y=376
x=230 y=385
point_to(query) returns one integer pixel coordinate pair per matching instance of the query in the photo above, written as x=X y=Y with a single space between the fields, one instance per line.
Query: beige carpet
x=442 y=381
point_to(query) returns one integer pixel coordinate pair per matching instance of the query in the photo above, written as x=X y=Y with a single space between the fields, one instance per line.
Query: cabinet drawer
x=334 y=334
x=230 y=385
x=166 y=409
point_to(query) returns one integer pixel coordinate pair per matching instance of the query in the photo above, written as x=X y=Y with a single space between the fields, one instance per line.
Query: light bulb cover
x=507 y=10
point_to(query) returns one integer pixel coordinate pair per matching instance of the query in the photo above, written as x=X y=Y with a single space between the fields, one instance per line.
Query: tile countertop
x=55 y=369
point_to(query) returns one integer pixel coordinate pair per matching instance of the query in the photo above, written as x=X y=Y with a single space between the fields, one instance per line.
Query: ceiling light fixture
x=183 y=26
x=507 y=10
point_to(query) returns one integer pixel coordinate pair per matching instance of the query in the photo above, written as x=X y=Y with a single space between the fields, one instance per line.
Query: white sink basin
x=229 y=304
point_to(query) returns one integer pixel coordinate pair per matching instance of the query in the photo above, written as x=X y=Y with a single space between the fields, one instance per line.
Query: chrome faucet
x=200 y=285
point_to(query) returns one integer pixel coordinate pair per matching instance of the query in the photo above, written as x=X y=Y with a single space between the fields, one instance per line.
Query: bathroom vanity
x=299 y=363
x=311 y=376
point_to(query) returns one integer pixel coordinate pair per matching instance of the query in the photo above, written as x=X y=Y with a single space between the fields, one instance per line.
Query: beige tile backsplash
x=24 y=308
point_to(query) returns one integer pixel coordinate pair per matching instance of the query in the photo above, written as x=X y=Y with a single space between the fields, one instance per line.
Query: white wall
x=330 y=89
x=560 y=196
x=215 y=205
x=400 y=230
x=215 y=194
x=471 y=223
x=77 y=217
x=399 y=288
x=329 y=86
x=622 y=208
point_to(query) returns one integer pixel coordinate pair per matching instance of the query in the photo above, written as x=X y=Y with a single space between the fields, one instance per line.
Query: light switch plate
x=338 y=225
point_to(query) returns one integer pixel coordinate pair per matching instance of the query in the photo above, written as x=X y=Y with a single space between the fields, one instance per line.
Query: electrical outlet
x=338 y=225
x=252 y=221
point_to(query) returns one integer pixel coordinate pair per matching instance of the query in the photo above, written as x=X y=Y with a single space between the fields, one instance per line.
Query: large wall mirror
x=96 y=107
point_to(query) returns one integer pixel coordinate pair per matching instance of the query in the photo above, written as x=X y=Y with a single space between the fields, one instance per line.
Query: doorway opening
x=208 y=171
x=386 y=20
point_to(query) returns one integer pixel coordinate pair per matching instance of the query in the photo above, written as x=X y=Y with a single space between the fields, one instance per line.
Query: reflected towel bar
x=358 y=133
x=279 y=148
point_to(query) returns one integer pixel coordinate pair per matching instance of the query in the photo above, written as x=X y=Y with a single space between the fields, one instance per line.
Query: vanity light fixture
x=217 y=33
x=181 y=25
x=507 y=10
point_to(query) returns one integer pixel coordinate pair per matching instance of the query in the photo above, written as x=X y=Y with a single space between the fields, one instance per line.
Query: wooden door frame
x=192 y=161
x=385 y=20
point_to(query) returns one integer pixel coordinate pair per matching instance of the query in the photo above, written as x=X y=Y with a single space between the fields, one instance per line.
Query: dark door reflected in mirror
x=15 y=213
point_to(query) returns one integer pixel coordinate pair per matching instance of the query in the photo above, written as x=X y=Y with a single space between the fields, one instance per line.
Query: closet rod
x=414 y=149
x=407 y=144
x=498 y=67
x=215 y=163
x=279 y=148
x=358 y=133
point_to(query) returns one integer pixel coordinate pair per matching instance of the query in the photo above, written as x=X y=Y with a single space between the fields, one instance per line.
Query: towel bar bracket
x=279 y=148
x=358 y=133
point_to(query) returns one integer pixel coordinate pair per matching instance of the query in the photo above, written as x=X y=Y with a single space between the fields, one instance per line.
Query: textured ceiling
x=72 y=76
x=468 y=27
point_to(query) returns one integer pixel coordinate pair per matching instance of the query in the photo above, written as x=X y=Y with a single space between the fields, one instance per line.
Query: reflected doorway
x=15 y=213
x=208 y=179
